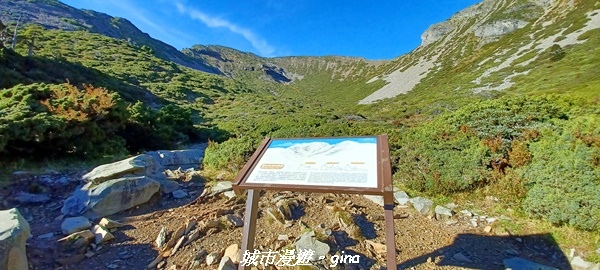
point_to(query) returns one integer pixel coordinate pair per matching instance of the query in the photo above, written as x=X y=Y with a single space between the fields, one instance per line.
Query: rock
x=101 y=235
x=451 y=206
x=110 y=224
x=189 y=225
x=499 y=28
x=378 y=247
x=512 y=251
x=234 y=220
x=283 y=237
x=184 y=159
x=466 y=213
x=226 y=264
x=276 y=215
x=229 y=194
x=579 y=263
x=110 y=197
x=487 y=229
x=451 y=222
x=442 y=213
x=233 y=252
x=308 y=241
x=401 y=197
x=212 y=258
x=85 y=234
x=167 y=186
x=221 y=187
x=31 y=198
x=179 y=194
x=522 y=264
x=378 y=199
x=134 y=165
x=75 y=224
x=474 y=222
x=459 y=257
x=46 y=235
x=491 y=220
x=436 y=32
x=161 y=239
x=14 y=231
x=422 y=205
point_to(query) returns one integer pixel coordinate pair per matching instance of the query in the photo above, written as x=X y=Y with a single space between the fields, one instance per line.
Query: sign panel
x=334 y=162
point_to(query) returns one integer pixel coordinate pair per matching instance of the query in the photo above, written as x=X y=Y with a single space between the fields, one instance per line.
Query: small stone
x=474 y=222
x=466 y=213
x=226 y=264
x=212 y=258
x=112 y=266
x=110 y=224
x=233 y=252
x=451 y=206
x=451 y=222
x=578 y=262
x=442 y=213
x=378 y=247
x=179 y=194
x=236 y=221
x=229 y=194
x=487 y=229
x=491 y=220
x=75 y=224
x=459 y=257
x=308 y=241
x=401 y=197
x=221 y=187
x=422 y=205
x=46 y=235
x=401 y=216
x=101 y=235
x=86 y=234
x=518 y=239
x=512 y=251
x=378 y=199
x=161 y=238
x=89 y=254
x=283 y=237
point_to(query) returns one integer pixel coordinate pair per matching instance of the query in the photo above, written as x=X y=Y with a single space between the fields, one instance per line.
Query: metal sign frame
x=384 y=188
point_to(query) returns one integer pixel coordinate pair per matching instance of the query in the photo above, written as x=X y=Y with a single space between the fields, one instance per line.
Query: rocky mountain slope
x=53 y=14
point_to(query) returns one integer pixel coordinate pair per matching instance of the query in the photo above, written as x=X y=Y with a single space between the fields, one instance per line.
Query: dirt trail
x=422 y=242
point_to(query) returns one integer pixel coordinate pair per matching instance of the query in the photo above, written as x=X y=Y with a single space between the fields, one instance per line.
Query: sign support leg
x=249 y=224
x=390 y=241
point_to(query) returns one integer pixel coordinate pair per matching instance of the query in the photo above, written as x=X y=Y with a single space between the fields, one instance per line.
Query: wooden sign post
x=352 y=165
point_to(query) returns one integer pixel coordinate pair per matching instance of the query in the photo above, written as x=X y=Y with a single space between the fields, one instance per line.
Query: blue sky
x=374 y=30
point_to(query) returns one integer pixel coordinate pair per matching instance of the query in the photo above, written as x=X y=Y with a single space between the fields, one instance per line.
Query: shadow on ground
x=489 y=252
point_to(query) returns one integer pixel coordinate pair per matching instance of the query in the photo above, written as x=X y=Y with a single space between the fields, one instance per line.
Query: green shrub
x=564 y=175
x=230 y=155
x=52 y=120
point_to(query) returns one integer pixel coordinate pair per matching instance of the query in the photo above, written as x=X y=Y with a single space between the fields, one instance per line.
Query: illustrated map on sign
x=321 y=161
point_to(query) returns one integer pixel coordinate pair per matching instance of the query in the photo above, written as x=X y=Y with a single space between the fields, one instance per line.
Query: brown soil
x=422 y=242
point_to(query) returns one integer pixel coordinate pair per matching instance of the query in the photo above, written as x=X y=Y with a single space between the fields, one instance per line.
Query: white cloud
x=261 y=45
